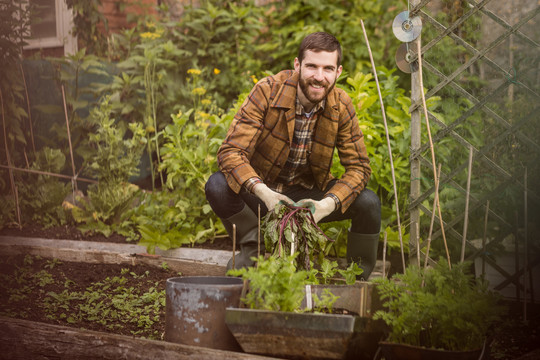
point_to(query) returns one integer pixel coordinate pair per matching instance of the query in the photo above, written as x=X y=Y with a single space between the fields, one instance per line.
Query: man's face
x=318 y=74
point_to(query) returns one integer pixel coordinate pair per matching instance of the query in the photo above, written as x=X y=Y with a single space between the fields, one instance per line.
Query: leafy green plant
x=115 y=159
x=438 y=307
x=41 y=195
x=90 y=21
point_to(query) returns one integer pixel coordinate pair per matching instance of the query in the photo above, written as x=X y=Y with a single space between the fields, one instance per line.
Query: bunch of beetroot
x=291 y=229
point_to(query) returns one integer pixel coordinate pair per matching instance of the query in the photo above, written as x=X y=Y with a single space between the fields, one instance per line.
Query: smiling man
x=280 y=146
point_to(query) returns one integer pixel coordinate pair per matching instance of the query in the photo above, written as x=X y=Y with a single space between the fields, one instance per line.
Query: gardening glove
x=319 y=209
x=269 y=197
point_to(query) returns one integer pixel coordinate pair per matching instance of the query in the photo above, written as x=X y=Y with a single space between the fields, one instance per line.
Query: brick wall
x=117 y=12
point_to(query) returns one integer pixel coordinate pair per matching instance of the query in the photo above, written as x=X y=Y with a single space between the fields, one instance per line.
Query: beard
x=315 y=97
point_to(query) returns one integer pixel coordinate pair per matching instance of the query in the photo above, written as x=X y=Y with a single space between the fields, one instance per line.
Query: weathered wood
x=188 y=261
x=22 y=339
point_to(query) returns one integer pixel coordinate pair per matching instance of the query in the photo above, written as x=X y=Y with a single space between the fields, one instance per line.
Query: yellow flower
x=179 y=115
x=216 y=71
x=255 y=80
x=194 y=71
x=206 y=101
x=203 y=115
x=150 y=35
x=198 y=91
x=150 y=129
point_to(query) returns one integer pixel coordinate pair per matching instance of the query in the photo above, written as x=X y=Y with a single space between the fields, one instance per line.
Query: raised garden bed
x=512 y=338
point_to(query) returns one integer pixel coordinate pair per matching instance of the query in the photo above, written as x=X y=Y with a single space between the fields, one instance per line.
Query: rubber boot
x=247 y=226
x=363 y=248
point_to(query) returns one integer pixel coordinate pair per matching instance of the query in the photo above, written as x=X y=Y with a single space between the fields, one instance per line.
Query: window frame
x=64 y=37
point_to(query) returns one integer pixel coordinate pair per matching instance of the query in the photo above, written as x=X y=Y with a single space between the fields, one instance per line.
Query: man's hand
x=269 y=197
x=322 y=208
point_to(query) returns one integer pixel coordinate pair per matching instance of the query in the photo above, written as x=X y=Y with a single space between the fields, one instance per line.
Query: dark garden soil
x=512 y=337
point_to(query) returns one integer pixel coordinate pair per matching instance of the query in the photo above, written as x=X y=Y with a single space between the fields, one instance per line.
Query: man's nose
x=319 y=76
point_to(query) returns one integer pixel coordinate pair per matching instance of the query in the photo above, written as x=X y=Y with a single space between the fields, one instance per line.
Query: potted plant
x=441 y=312
x=283 y=318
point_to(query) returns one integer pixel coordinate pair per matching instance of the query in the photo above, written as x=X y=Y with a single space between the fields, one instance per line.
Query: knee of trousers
x=366 y=210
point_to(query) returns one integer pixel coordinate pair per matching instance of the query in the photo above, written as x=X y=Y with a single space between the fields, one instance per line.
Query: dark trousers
x=365 y=211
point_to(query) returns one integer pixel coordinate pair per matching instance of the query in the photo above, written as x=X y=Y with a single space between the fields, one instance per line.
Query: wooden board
x=188 y=261
x=22 y=339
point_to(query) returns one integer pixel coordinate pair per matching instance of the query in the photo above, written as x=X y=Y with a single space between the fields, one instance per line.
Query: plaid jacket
x=257 y=143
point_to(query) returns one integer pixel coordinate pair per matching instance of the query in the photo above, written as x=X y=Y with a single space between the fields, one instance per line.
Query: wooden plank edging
x=23 y=339
x=188 y=261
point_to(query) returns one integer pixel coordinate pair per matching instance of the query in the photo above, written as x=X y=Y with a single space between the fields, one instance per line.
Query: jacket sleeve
x=352 y=155
x=234 y=155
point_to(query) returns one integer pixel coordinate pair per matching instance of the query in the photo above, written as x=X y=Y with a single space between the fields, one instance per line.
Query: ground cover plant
x=122 y=299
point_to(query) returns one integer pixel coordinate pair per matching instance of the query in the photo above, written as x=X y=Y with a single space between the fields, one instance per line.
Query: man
x=280 y=147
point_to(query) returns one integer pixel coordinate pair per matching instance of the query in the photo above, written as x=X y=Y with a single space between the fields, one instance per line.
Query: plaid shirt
x=259 y=142
x=296 y=169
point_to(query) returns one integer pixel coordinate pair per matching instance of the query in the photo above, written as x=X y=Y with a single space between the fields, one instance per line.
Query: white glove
x=269 y=197
x=322 y=208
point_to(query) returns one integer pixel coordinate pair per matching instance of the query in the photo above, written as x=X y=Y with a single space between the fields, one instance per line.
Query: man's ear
x=339 y=70
x=296 y=64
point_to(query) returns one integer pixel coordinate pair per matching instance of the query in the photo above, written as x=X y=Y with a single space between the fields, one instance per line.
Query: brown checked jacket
x=258 y=140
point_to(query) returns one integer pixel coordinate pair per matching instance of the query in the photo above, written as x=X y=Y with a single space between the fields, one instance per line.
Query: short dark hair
x=320 y=41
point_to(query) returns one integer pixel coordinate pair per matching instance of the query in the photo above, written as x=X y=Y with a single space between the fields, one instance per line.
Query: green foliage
x=275 y=284
x=14 y=20
x=90 y=21
x=41 y=196
x=290 y=21
x=438 y=307
x=111 y=301
x=114 y=160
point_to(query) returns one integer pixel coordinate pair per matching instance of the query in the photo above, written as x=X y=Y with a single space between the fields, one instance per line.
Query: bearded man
x=280 y=146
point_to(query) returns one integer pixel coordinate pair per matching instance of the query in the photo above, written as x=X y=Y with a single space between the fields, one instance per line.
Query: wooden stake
x=387 y=142
x=419 y=50
x=73 y=182
x=468 y=195
x=233 y=245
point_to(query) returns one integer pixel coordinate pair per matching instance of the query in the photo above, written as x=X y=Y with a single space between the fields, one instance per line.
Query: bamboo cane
x=526 y=260
x=233 y=245
x=74 y=183
x=384 y=256
x=419 y=50
x=387 y=142
x=258 y=233
x=49 y=174
x=29 y=110
x=433 y=215
x=468 y=195
x=484 y=240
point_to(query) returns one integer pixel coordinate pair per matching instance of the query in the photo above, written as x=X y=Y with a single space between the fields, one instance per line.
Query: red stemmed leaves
x=289 y=229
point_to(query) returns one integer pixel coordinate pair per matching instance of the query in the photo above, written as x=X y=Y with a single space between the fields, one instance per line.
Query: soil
x=512 y=337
